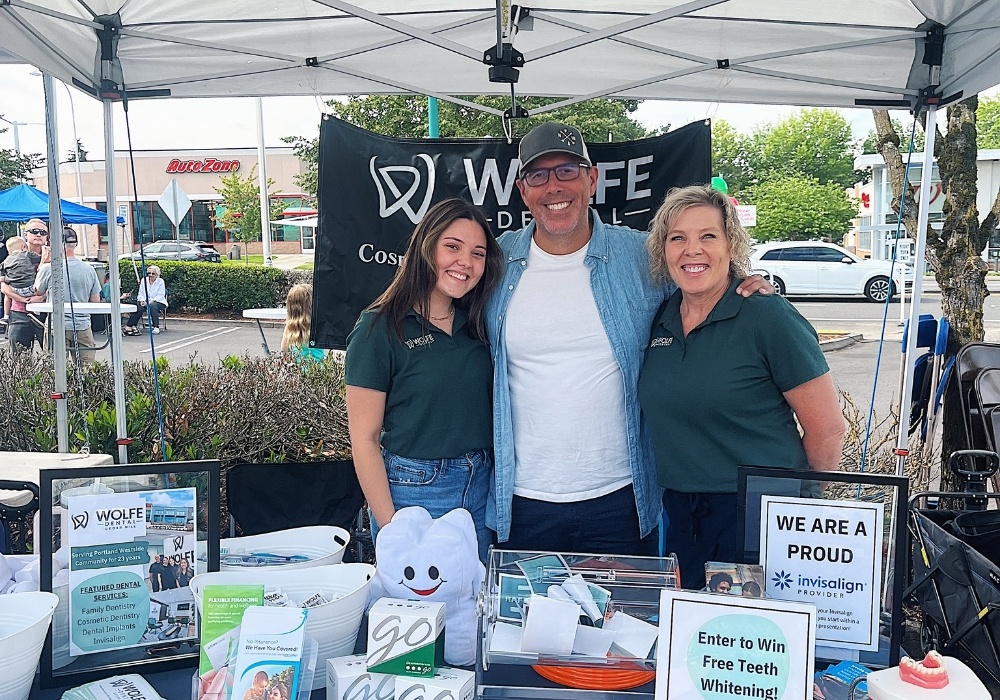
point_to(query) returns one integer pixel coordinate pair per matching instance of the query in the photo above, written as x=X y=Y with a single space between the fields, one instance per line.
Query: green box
x=405 y=637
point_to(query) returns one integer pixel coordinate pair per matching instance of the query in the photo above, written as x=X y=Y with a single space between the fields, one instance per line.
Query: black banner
x=374 y=189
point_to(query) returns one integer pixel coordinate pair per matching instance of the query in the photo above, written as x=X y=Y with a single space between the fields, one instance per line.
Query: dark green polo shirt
x=439 y=399
x=713 y=400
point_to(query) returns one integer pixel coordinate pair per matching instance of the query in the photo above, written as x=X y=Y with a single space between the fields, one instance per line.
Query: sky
x=232 y=122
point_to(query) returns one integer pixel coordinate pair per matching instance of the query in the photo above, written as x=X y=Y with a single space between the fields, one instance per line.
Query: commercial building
x=874 y=231
x=198 y=173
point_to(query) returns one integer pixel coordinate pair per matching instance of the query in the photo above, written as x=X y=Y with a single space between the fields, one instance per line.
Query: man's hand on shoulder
x=755 y=284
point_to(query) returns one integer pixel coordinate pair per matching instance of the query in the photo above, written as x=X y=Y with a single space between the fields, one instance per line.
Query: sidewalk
x=290 y=261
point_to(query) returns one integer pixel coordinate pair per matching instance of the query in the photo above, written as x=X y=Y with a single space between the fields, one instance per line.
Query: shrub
x=200 y=287
x=266 y=409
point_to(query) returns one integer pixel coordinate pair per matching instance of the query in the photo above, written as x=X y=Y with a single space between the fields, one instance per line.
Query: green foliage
x=729 y=156
x=77 y=154
x=800 y=208
x=14 y=169
x=406 y=116
x=988 y=122
x=241 y=199
x=201 y=287
x=814 y=143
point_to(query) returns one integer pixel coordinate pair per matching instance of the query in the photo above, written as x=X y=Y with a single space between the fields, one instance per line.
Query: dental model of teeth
x=929 y=673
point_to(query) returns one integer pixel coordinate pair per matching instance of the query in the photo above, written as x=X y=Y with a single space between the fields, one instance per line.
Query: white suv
x=824 y=269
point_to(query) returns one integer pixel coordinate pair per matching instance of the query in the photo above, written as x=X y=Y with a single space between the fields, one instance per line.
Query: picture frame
x=130 y=537
x=757 y=484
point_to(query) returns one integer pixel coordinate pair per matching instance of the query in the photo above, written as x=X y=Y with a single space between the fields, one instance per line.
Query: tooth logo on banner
x=81 y=520
x=402 y=201
x=179 y=543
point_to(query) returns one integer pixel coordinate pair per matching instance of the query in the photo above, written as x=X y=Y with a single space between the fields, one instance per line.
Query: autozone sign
x=209 y=165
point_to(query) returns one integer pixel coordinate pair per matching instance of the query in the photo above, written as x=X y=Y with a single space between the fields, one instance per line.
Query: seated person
x=152 y=294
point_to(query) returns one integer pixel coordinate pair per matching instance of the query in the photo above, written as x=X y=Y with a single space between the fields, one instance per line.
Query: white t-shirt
x=567 y=391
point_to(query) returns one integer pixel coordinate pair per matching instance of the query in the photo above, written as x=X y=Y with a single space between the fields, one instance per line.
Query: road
x=853 y=368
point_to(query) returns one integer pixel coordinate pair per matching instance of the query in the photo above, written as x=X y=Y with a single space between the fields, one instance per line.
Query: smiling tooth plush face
x=422 y=558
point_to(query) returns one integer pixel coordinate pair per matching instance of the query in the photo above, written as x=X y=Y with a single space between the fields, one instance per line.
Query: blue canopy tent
x=24 y=202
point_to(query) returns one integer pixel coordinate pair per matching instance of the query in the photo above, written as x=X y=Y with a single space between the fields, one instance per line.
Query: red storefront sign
x=209 y=165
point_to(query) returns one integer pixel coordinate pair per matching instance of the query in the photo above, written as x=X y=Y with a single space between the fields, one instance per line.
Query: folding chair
x=268 y=497
x=972 y=360
x=18 y=505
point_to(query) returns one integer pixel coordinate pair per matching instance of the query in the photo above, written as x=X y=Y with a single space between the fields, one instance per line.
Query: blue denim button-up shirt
x=627 y=300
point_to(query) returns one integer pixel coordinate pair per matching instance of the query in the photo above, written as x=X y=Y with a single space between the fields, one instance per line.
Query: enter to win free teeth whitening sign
x=716 y=647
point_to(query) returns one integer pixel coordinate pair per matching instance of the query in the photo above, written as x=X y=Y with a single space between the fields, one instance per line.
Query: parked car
x=824 y=269
x=192 y=251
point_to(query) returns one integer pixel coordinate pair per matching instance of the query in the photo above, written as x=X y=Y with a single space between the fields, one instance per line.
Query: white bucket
x=333 y=625
x=323 y=544
x=24 y=621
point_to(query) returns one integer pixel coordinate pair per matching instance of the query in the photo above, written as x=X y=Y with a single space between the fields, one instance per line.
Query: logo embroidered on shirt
x=661 y=342
x=419 y=342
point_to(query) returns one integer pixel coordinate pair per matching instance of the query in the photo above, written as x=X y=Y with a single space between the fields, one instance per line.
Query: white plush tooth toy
x=422 y=558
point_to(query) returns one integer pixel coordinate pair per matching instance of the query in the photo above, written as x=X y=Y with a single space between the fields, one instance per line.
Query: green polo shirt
x=439 y=398
x=713 y=400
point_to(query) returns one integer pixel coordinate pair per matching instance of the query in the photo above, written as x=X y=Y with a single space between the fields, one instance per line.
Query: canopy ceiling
x=24 y=202
x=804 y=52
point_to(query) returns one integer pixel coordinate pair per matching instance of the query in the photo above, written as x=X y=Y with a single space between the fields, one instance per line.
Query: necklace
x=443 y=318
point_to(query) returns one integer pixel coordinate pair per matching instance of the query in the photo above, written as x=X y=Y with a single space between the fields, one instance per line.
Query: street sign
x=174 y=203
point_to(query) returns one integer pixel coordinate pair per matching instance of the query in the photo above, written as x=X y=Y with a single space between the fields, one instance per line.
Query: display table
x=24 y=466
x=93 y=308
x=277 y=314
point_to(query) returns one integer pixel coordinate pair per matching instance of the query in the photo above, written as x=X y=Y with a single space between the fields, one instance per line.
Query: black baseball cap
x=551 y=137
x=69 y=235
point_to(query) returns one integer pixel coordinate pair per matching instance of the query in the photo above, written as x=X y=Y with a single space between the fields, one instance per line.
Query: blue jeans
x=605 y=525
x=441 y=485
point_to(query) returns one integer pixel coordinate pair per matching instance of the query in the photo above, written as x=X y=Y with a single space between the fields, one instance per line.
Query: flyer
x=132 y=557
x=269 y=660
x=222 y=614
x=828 y=553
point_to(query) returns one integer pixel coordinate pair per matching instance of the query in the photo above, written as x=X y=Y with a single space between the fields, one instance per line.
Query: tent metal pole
x=116 y=286
x=926 y=172
x=265 y=207
x=57 y=291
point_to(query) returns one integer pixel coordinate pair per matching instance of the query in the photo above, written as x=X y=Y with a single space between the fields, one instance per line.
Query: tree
x=729 y=156
x=954 y=252
x=870 y=142
x=799 y=208
x=241 y=199
x=814 y=143
x=406 y=116
x=988 y=122
x=78 y=154
x=15 y=169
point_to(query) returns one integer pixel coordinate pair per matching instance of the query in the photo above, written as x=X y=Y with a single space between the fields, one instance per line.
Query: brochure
x=130 y=687
x=269 y=659
x=222 y=613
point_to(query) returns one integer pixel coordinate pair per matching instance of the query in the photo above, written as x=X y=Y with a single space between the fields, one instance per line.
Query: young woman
x=295 y=339
x=419 y=374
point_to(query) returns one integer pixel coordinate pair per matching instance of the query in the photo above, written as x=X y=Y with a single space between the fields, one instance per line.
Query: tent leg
x=57 y=291
x=926 y=170
x=116 y=286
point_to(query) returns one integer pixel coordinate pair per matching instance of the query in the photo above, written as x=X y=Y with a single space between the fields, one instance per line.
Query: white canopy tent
x=889 y=53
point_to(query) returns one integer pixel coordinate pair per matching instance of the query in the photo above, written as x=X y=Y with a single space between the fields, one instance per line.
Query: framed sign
x=119 y=546
x=838 y=542
x=719 y=646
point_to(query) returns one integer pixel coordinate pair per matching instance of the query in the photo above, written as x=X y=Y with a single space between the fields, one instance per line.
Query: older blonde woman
x=724 y=379
x=152 y=294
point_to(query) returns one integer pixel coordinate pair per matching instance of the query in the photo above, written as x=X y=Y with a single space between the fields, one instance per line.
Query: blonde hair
x=679 y=199
x=299 y=320
x=15 y=245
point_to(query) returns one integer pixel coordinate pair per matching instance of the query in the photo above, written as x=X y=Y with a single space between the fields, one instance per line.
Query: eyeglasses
x=37 y=231
x=536 y=177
